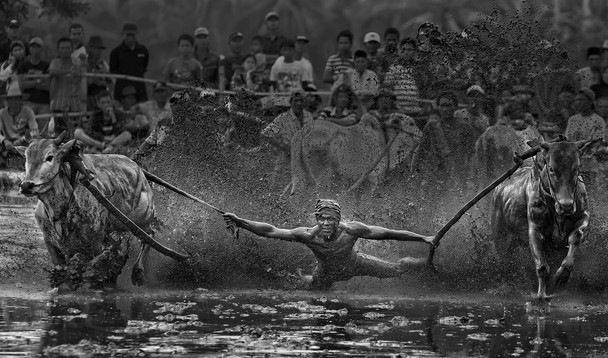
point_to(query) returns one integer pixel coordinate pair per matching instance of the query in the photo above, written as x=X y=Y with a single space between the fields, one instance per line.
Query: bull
x=76 y=228
x=548 y=202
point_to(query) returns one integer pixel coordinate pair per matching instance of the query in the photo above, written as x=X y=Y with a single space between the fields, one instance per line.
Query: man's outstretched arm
x=381 y=233
x=267 y=230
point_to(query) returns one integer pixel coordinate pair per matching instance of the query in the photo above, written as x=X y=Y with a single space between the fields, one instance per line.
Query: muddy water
x=275 y=323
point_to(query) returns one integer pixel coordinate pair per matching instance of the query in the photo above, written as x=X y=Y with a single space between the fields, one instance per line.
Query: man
x=107 y=127
x=8 y=69
x=159 y=108
x=209 y=59
x=288 y=74
x=389 y=55
x=473 y=114
x=68 y=86
x=12 y=34
x=96 y=65
x=589 y=75
x=272 y=39
x=361 y=79
x=332 y=242
x=17 y=122
x=130 y=58
x=280 y=132
x=136 y=122
x=400 y=77
x=586 y=124
x=601 y=108
x=183 y=69
x=371 y=41
x=341 y=61
x=77 y=36
x=36 y=88
x=230 y=63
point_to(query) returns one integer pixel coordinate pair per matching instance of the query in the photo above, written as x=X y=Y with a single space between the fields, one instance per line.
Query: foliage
x=20 y=9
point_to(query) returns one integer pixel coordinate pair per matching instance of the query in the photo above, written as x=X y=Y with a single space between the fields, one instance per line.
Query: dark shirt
x=129 y=62
x=102 y=127
x=211 y=66
x=273 y=46
x=600 y=89
x=231 y=63
x=5 y=50
x=36 y=95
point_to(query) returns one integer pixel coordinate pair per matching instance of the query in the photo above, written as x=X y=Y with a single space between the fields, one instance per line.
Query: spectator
x=280 y=132
x=96 y=65
x=245 y=77
x=36 y=88
x=12 y=31
x=589 y=75
x=79 y=54
x=9 y=68
x=525 y=95
x=208 y=59
x=361 y=79
x=601 y=108
x=17 y=122
x=159 y=108
x=434 y=70
x=586 y=124
x=184 y=69
x=342 y=61
x=342 y=107
x=272 y=39
x=299 y=48
x=473 y=114
x=313 y=102
x=506 y=96
x=130 y=58
x=289 y=74
x=601 y=89
x=230 y=63
x=389 y=54
x=386 y=115
x=371 y=41
x=107 y=127
x=136 y=121
x=563 y=104
x=68 y=86
x=400 y=78
x=256 y=47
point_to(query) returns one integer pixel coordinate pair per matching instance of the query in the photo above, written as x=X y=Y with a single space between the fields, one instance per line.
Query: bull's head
x=560 y=173
x=43 y=159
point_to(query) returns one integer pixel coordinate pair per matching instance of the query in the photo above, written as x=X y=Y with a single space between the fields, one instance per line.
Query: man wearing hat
x=130 y=58
x=12 y=34
x=36 y=88
x=233 y=61
x=280 y=132
x=371 y=41
x=589 y=75
x=272 y=39
x=96 y=64
x=17 y=122
x=209 y=59
x=586 y=124
x=332 y=241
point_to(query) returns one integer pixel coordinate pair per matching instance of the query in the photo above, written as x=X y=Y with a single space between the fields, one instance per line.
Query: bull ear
x=65 y=148
x=21 y=150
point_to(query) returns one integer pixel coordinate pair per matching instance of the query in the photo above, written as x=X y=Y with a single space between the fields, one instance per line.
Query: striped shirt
x=336 y=65
x=401 y=79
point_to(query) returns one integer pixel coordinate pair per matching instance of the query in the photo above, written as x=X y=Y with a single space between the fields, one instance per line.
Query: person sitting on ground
x=17 y=122
x=332 y=241
x=342 y=109
x=158 y=108
x=136 y=121
x=107 y=132
x=184 y=69
x=361 y=79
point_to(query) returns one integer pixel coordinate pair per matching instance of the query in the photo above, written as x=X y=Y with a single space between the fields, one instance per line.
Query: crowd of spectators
x=386 y=76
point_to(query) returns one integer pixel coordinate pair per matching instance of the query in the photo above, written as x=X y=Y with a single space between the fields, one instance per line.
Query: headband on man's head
x=328 y=204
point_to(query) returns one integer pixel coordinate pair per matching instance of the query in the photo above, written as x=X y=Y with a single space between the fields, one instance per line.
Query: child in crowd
x=246 y=78
x=256 y=46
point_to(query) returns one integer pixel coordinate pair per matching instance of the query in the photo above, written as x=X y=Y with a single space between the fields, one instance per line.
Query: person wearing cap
x=12 y=30
x=474 y=114
x=586 y=124
x=281 y=131
x=17 y=122
x=36 y=88
x=208 y=59
x=159 y=108
x=360 y=78
x=272 y=38
x=590 y=74
x=372 y=41
x=183 y=69
x=341 y=61
x=130 y=58
x=96 y=64
x=233 y=61
x=332 y=241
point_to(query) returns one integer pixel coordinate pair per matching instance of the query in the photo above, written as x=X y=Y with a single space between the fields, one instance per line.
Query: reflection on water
x=272 y=323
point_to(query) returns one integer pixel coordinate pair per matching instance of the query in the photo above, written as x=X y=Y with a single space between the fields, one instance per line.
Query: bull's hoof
x=137 y=276
x=540 y=302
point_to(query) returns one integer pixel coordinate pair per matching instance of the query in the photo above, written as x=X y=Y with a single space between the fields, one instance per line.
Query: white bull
x=75 y=226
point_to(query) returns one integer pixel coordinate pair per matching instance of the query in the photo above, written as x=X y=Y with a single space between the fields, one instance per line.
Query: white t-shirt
x=288 y=75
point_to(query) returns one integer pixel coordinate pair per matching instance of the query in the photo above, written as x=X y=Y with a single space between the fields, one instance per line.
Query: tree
x=21 y=9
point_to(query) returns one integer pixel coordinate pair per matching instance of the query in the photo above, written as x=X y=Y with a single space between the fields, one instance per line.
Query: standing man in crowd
x=12 y=34
x=288 y=75
x=76 y=32
x=360 y=78
x=184 y=69
x=272 y=39
x=589 y=75
x=341 y=61
x=36 y=88
x=232 y=61
x=209 y=59
x=130 y=58
x=96 y=64
x=371 y=41
x=474 y=114
x=586 y=124
x=389 y=54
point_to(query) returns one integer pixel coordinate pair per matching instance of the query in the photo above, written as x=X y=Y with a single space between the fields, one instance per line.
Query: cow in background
x=83 y=239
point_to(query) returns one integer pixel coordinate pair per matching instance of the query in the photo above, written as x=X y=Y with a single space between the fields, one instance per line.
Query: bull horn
x=544 y=146
x=60 y=138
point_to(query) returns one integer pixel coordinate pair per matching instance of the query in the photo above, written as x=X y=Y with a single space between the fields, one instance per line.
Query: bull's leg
x=137 y=273
x=574 y=239
x=540 y=262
